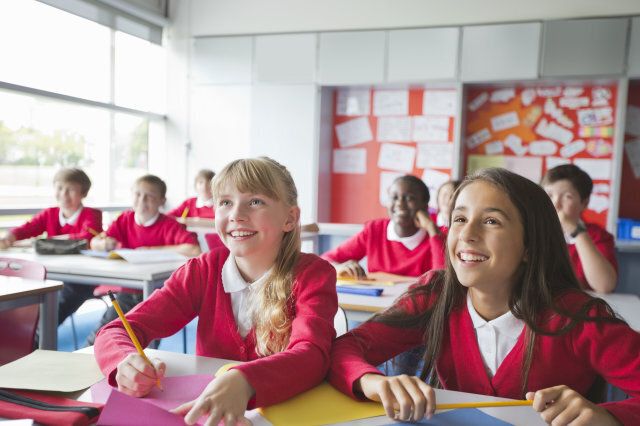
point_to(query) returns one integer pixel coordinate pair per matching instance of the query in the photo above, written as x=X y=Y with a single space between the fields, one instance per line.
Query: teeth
x=467 y=257
x=241 y=233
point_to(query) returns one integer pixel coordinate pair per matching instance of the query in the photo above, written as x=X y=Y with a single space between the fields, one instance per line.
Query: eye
x=491 y=221
x=256 y=202
x=459 y=219
x=223 y=203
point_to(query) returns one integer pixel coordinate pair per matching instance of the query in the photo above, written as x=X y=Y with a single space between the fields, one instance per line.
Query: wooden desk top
x=12 y=288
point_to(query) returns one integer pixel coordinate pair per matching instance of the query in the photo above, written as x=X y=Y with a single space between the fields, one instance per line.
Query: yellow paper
x=478 y=162
x=225 y=368
x=321 y=405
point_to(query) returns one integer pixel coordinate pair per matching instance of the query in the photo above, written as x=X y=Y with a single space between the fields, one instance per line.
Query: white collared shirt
x=242 y=294
x=70 y=220
x=495 y=338
x=409 y=242
x=200 y=202
x=148 y=222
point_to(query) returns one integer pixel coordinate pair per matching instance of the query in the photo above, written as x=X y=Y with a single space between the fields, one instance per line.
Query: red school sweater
x=575 y=359
x=389 y=256
x=190 y=203
x=604 y=243
x=49 y=220
x=196 y=289
x=164 y=232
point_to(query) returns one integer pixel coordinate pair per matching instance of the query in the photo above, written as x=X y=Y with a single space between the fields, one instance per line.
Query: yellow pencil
x=93 y=231
x=132 y=335
x=485 y=404
x=185 y=212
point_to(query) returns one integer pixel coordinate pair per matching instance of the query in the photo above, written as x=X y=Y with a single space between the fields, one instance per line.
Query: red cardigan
x=49 y=220
x=196 y=290
x=190 y=203
x=166 y=231
x=389 y=256
x=604 y=243
x=575 y=359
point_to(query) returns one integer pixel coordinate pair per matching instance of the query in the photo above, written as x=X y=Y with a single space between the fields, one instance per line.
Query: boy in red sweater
x=200 y=206
x=144 y=227
x=69 y=219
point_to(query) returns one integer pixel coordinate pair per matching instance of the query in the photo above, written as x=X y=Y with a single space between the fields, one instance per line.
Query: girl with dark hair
x=506 y=318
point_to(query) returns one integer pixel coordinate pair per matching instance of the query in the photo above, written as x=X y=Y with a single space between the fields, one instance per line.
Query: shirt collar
x=232 y=280
x=506 y=324
x=148 y=222
x=70 y=220
x=409 y=242
x=201 y=202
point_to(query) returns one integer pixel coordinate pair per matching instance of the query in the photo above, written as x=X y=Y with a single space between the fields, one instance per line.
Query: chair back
x=340 y=322
x=19 y=324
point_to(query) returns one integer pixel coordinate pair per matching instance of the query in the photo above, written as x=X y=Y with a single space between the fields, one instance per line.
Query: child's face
x=566 y=199
x=203 y=188
x=68 y=195
x=147 y=200
x=444 y=196
x=486 y=238
x=252 y=225
x=404 y=202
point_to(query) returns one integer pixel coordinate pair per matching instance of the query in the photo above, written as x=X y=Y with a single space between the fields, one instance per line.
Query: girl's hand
x=136 y=378
x=423 y=221
x=561 y=405
x=350 y=269
x=408 y=395
x=224 y=399
x=102 y=243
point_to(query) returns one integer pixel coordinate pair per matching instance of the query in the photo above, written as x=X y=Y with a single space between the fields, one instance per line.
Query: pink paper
x=122 y=409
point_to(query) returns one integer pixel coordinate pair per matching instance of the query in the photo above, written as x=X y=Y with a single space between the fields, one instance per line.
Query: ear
x=525 y=257
x=293 y=219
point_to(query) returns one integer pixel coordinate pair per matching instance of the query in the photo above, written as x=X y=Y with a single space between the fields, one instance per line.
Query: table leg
x=48 y=321
x=147 y=289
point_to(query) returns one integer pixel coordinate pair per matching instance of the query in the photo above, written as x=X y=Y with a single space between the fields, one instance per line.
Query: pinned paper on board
x=595 y=116
x=632 y=149
x=558 y=114
x=354 y=132
x=573 y=148
x=386 y=179
x=478 y=138
x=551 y=162
x=354 y=102
x=529 y=167
x=505 y=121
x=633 y=120
x=434 y=180
x=574 y=103
x=396 y=157
x=502 y=95
x=598 y=203
x=350 y=160
x=430 y=128
x=600 y=96
x=479 y=162
x=599 y=148
x=551 y=130
x=532 y=115
x=514 y=143
x=527 y=97
x=435 y=155
x=390 y=102
x=600 y=131
x=493 y=148
x=542 y=148
x=601 y=188
x=394 y=129
x=478 y=101
x=439 y=102
x=572 y=92
x=597 y=169
x=549 y=92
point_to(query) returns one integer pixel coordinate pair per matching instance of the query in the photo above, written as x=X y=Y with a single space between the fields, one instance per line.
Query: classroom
x=147 y=244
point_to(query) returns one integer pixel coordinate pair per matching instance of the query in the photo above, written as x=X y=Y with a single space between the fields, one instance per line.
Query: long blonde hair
x=265 y=176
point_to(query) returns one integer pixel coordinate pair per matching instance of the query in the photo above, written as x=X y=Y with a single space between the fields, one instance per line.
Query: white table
x=625 y=305
x=17 y=292
x=80 y=269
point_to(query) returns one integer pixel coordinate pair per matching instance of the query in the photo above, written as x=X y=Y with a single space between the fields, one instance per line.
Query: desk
x=79 y=269
x=625 y=305
x=18 y=292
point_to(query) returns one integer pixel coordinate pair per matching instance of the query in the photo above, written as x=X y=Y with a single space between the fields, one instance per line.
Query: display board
x=529 y=129
x=630 y=187
x=380 y=134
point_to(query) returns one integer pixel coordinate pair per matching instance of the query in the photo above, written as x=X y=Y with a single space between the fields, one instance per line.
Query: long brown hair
x=545 y=275
x=271 y=317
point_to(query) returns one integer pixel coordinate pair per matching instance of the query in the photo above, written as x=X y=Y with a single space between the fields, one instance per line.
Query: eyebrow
x=487 y=210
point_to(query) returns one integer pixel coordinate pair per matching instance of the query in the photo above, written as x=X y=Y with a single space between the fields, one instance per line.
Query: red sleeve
x=372 y=343
x=34 y=226
x=178 y=234
x=606 y=245
x=177 y=212
x=355 y=248
x=305 y=361
x=163 y=314
x=115 y=230
x=437 y=251
x=92 y=219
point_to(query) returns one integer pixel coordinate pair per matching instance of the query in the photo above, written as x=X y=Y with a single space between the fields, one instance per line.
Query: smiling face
x=252 y=226
x=69 y=195
x=486 y=239
x=147 y=200
x=566 y=199
x=405 y=200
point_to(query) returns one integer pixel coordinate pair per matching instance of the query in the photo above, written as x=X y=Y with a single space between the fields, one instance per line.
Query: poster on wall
x=530 y=129
x=381 y=134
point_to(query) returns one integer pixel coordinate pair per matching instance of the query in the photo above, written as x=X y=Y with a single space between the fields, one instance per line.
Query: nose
x=237 y=213
x=468 y=231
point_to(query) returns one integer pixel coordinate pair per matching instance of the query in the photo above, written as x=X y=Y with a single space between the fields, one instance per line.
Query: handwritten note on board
x=430 y=128
x=350 y=160
x=435 y=155
x=394 y=129
x=439 y=102
x=396 y=157
x=354 y=132
x=391 y=102
x=354 y=102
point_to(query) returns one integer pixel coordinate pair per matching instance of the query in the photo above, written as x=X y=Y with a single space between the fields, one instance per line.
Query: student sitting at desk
x=591 y=248
x=144 y=227
x=200 y=206
x=408 y=243
x=69 y=219
x=259 y=300
x=506 y=318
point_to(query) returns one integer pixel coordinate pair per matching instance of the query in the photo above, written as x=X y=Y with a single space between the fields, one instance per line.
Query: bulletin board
x=630 y=186
x=533 y=128
x=380 y=134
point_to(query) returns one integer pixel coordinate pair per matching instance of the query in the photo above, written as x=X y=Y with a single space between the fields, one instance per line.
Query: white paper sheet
x=633 y=120
x=527 y=97
x=493 y=148
x=435 y=155
x=601 y=188
x=558 y=114
x=478 y=138
x=505 y=121
x=551 y=162
x=514 y=143
x=434 y=180
x=502 y=95
x=572 y=92
x=394 y=129
x=354 y=132
x=597 y=169
x=529 y=167
x=351 y=161
x=574 y=103
x=353 y=102
x=149 y=255
x=551 y=130
x=439 y=102
x=386 y=179
x=390 y=102
x=543 y=148
x=396 y=157
x=599 y=148
x=430 y=128
x=478 y=101
x=595 y=116
x=600 y=96
x=573 y=148
x=598 y=203
x=549 y=92
x=632 y=149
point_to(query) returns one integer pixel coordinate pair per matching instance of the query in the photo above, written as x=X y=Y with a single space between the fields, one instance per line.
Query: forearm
x=598 y=271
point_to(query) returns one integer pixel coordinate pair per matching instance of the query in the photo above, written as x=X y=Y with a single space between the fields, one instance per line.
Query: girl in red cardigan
x=506 y=318
x=259 y=300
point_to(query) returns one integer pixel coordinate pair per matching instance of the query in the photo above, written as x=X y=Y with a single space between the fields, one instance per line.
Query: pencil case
x=47 y=409
x=53 y=246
